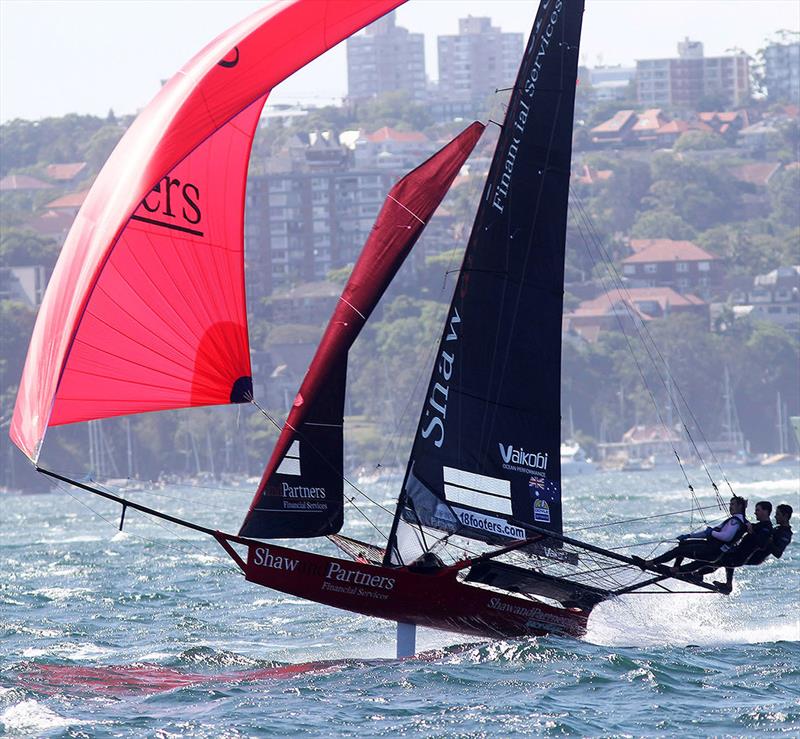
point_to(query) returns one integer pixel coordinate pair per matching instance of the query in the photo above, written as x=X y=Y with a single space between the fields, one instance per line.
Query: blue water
x=154 y=632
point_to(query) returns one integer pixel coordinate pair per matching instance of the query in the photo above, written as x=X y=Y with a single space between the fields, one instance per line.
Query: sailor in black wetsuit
x=780 y=537
x=752 y=548
x=708 y=544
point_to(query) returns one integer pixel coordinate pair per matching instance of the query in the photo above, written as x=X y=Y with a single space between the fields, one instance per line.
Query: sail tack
x=145 y=309
x=301 y=492
x=485 y=459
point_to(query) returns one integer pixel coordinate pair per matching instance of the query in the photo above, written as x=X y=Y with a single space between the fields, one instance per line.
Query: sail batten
x=491 y=415
x=310 y=496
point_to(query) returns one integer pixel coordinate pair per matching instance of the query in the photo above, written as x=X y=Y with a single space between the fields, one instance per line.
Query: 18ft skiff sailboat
x=145 y=311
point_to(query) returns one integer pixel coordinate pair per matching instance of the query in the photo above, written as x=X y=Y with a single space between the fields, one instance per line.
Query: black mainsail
x=485 y=459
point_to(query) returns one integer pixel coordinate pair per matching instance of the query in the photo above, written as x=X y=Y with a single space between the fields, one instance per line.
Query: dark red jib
x=301 y=492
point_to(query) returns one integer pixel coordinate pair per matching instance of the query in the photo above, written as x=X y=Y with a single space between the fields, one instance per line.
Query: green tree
x=22 y=247
x=750 y=247
x=700 y=140
x=784 y=194
x=661 y=224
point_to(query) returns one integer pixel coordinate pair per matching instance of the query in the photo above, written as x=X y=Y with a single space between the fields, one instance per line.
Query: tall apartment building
x=315 y=208
x=386 y=58
x=683 y=82
x=302 y=224
x=476 y=62
x=782 y=72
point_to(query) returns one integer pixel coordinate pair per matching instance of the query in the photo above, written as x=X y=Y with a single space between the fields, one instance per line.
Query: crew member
x=707 y=544
x=752 y=549
x=781 y=535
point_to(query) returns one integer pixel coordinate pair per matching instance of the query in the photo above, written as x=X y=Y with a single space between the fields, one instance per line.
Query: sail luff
x=485 y=459
x=406 y=211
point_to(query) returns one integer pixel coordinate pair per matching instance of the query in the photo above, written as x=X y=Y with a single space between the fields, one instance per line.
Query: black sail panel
x=304 y=496
x=485 y=459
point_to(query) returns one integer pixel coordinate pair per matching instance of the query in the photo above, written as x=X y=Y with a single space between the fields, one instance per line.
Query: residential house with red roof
x=21 y=182
x=618 y=309
x=755 y=202
x=52 y=223
x=725 y=123
x=64 y=172
x=647 y=125
x=668 y=134
x=587 y=175
x=616 y=131
x=70 y=203
x=681 y=265
x=388 y=147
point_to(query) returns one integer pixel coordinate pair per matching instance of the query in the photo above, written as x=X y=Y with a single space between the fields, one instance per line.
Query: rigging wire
x=632 y=520
x=335 y=469
x=66 y=488
x=618 y=284
x=428 y=362
x=174 y=498
x=644 y=334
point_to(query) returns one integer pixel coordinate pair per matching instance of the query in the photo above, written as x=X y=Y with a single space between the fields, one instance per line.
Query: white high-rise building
x=782 y=72
x=690 y=78
x=386 y=58
x=477 y=61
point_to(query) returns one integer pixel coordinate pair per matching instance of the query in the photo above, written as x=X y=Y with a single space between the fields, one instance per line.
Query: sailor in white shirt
x=709 y=544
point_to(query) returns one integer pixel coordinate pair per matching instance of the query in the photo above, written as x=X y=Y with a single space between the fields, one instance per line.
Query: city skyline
x=99 y=64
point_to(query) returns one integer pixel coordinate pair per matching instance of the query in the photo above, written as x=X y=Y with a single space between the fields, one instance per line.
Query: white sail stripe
x=347 y=302
x=289 y=466
x=294 y=449
x=480 y=483
x=389 y=197
x=477 y=499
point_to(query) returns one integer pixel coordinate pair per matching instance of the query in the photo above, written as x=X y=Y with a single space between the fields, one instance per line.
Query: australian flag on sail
x=485 y=459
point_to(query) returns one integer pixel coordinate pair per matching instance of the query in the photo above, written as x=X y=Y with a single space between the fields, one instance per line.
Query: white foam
x=59 y=594
x=680 y=620
x=73 y=539
x=791 y=483
x=75 y=652
x=31 y=716
x=206 y=559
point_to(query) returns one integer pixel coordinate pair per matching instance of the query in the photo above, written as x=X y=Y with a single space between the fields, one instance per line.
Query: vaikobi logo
x=521 y=461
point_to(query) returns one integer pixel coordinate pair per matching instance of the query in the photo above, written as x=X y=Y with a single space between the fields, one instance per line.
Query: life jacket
x=741 y=529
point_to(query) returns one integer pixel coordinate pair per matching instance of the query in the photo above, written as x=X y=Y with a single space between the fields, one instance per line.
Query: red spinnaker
x=145 y=309
x=301 y=492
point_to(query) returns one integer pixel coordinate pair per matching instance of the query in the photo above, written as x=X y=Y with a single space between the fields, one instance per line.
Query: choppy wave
x=111 y=635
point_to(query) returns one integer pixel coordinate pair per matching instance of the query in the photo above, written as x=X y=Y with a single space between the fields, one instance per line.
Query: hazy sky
x=64 y=56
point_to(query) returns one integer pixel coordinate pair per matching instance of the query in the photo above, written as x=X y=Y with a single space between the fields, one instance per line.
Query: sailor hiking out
x=709 y=544
x=752 y=548
x=768 y=540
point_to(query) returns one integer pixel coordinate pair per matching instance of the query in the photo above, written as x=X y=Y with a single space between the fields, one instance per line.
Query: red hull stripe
x=437 y=600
